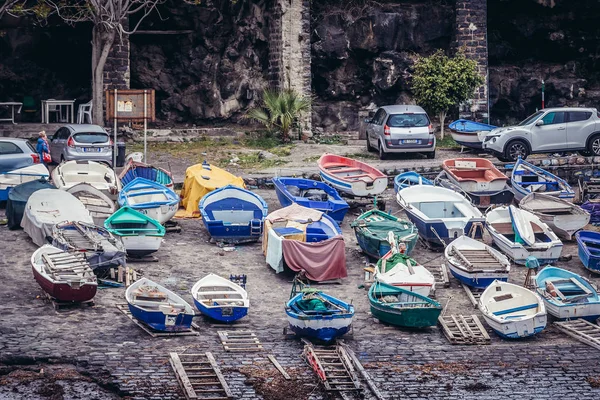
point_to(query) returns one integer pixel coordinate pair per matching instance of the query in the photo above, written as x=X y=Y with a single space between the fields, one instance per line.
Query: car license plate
x=92 y=149
x=410 y=141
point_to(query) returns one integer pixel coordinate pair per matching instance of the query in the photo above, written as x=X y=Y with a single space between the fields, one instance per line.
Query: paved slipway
x=98 y=353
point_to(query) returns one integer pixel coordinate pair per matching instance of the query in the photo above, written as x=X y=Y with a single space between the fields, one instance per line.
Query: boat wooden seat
x=143 y=294
x=506 y=228
x=345 y=170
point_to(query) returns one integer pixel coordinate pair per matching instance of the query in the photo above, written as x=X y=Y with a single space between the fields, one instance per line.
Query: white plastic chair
x=85 y=110
x=54 y=108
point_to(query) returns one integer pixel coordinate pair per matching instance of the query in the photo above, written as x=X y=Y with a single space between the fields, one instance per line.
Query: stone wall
x=117 y=68
x=289 y=51
x=471 y=35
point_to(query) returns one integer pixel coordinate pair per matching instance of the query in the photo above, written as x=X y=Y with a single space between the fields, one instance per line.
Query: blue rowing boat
x=234 y=215
x=409 y=178
x=469 y=133
x=315 y=314
x=588 y=243
x=135 y=169
x=220 y=299
x=526 y=178
x=158 y=307
x=311 y=194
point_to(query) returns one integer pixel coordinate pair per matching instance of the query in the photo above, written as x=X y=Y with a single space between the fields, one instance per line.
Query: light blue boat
x=311 y=194
x=150 y=198
x=233 y=215
x=409 y=178
x=567 y=295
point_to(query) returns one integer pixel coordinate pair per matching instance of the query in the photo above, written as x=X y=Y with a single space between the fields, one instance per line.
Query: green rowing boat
x=401 y=307
x=372 y=229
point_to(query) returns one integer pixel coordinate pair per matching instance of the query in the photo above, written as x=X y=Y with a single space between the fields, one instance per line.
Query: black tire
x=430 y=155
x=594 y=146
x=382 y=154
x=369 y=147
x=516 y=148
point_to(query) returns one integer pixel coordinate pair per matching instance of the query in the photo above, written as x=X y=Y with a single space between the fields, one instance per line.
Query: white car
x=547 y=131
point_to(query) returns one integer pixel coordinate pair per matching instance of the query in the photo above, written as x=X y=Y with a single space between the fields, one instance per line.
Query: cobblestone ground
x=98 y=353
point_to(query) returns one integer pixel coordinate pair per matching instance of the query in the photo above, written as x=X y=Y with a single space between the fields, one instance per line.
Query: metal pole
x=145 y=124
x=115 y=134
x=543 y=105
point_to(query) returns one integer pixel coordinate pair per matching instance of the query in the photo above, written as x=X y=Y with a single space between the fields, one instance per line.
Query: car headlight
x=490 y=137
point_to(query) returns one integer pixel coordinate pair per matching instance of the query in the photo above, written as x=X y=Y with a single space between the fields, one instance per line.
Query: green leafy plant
x=280 y=110
x=440 y=82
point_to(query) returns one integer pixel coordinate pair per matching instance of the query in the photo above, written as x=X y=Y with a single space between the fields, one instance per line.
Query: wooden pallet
x=581 y=330
x=124 y=308
x=240 y=341
x=333 y=366
x=199 y=376
x=461 y=329
x=63 y=305
x=473 y=294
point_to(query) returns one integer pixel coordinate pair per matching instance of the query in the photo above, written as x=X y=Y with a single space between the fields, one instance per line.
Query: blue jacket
x=42 y=146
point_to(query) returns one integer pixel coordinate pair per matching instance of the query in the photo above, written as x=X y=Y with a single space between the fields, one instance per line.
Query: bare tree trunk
x=442 y=116
x=101 y=44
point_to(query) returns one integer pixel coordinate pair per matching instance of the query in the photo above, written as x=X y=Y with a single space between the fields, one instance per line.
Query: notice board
x=130 y=105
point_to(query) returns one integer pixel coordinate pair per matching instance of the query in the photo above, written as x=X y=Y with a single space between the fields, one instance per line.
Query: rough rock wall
x=213 y=70
x=363 y=52
x=554 y=40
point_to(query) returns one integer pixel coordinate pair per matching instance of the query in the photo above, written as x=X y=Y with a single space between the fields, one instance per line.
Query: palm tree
x=280 y=110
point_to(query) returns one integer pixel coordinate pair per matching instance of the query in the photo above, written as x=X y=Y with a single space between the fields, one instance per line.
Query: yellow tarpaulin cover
x=201 y=179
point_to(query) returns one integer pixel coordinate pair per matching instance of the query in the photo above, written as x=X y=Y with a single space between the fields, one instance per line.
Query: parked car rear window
x=9 y=148
x=91 y=137
x=531 y=118
x=408 y=120
x=575 y=116
x=33 y=150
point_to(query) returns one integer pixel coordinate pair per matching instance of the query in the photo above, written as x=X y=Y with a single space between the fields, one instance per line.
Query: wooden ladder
x=473 y=294
x=461 y=329
x=334 y=368
x=240 y=341
x=199 y=376
x=581 y=330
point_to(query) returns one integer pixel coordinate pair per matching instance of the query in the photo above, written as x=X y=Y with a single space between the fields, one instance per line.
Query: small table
x=12 y=105
x=59 y=103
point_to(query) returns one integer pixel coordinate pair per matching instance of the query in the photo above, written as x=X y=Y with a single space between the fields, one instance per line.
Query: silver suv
x=81 y=142
x=400 y=129
x=547 y=131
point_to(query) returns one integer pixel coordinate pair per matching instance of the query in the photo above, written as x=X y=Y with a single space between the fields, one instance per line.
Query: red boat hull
x=64 y=291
